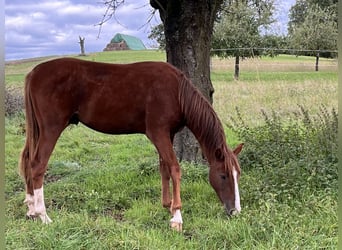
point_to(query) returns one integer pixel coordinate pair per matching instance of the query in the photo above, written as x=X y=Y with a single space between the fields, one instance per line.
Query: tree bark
x=188 y=27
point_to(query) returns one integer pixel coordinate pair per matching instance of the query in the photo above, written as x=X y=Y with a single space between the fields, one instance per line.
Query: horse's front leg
x=176 y=205
x=169 y=168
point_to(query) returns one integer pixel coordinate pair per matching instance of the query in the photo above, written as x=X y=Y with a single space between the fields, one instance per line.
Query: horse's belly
x=115 y=122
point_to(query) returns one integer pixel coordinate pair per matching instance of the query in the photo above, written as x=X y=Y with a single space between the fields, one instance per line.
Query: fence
x=277 y=51
x=291 y=60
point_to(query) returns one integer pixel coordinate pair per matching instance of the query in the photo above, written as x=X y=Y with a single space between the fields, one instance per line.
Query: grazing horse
x=152 y=98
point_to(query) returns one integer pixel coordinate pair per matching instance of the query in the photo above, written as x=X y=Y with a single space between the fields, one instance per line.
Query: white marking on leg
x=177 y=221
x=177 y=217
x=39 y=205
x=29 y=201
x=237 y=194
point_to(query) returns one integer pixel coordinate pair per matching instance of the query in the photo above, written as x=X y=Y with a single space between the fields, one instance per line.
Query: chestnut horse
x=152 y=98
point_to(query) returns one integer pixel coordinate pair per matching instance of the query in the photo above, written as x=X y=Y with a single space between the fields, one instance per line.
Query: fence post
x=317 y=59
x=237 y=67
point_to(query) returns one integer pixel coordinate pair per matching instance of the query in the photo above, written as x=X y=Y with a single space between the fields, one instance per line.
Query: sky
x=52 y=27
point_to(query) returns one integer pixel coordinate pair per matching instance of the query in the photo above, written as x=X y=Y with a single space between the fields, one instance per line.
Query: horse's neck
x=209 y=133
x=201 y=119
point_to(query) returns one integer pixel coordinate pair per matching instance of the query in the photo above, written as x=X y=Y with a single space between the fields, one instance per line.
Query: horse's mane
x=202 y=120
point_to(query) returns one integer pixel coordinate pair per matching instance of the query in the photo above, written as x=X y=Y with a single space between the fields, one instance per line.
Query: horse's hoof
x=45 y=219
x=31 y=217
x=176 y=226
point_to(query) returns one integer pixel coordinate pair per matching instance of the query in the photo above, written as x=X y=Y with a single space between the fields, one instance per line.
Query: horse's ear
x=238 y=149
x=219 y=154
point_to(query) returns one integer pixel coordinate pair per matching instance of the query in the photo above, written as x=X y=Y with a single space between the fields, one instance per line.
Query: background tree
x=273 y=45
x=81 y=42
x=239 y=27
x=303 y=8
x=297 y=14
x=300 y=10
x=317 y=31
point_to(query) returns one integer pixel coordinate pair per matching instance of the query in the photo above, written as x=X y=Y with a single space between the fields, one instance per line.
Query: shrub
x=14 y=101
x=279 y=140
x=301 y=148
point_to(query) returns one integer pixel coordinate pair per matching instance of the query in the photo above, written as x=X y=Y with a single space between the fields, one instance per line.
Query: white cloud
x=73 y=10
x=53 y=27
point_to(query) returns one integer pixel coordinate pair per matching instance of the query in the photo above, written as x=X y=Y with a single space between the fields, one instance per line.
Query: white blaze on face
x=236 y=188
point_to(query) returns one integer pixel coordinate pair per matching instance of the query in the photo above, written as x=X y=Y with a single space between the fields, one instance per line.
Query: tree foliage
x=301 y=9
x=157 y=33
x=239 y=27
x=313 y=25
x=236 y=29
x=318 y=31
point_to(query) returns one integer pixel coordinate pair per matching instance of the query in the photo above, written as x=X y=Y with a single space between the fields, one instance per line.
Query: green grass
x=16 y=70
x=269 y=77
x=103 y=192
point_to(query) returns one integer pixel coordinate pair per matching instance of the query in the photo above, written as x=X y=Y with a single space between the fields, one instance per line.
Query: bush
x=14 y=101
x=300 y=137
x=301 y=148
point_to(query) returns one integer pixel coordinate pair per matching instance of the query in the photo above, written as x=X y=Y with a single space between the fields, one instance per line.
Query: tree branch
x=111 y=8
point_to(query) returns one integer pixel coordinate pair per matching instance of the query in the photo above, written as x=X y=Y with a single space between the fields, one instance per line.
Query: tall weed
x=301 y=149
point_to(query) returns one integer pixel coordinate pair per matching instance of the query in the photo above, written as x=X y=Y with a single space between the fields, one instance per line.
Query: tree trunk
x=81 y=42
x=188 y=27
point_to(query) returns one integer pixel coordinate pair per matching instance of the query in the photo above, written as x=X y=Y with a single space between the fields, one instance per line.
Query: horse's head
x=224 y=177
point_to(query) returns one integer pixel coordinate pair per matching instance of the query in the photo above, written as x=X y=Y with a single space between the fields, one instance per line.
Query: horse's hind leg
x=35 y=194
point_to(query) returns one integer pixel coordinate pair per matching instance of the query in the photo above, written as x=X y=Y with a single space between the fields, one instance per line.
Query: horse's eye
x=223 y=177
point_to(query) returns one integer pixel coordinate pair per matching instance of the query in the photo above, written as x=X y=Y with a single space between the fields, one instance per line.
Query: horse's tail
x=32 y=135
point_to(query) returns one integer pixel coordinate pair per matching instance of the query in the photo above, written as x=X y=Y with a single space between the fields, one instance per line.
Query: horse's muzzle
x=233 y=212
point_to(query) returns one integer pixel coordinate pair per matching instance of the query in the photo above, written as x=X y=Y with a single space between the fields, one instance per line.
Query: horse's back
x=111 y=98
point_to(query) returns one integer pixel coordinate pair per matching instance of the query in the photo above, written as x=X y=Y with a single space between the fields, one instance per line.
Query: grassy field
x=103 y=192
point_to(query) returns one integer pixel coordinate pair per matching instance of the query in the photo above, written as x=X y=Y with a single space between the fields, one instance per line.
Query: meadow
x=103 y=191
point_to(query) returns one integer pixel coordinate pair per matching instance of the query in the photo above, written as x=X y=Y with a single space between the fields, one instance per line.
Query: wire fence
x=277 y=50
x=281 y=60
